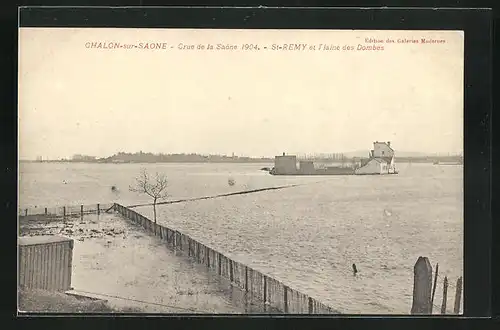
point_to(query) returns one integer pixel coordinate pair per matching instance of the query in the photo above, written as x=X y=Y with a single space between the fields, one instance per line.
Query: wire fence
x=65 y=211
x=450 y=284
x=143 y=301
x=430 y=287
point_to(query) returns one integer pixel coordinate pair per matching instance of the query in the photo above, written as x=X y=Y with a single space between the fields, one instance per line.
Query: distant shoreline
x=157 y=162
x=193 y=158
x=247 y=161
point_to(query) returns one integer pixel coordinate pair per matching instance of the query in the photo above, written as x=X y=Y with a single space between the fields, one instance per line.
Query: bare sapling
x=155 y=187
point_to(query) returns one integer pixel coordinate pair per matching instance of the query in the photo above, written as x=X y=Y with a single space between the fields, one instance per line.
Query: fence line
x=66 y=211
x=450 y=284
x=423 y=297
x=258 y=286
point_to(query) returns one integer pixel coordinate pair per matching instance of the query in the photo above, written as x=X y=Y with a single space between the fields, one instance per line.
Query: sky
x=75 y=99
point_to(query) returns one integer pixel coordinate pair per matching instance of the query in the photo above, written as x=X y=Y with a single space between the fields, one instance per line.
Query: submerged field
x=306 y=236
x=119 y=262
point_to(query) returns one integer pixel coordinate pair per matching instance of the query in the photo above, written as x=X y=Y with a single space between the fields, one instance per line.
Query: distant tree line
x=148 y=157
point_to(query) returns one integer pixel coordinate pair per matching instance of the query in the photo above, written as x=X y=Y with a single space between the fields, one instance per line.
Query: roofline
x=388 y=146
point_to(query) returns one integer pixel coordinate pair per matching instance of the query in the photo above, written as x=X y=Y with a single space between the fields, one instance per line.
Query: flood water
x=306 y=236
x=118 y=261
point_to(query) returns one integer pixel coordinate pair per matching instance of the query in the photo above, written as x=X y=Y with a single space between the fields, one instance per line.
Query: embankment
x=243 y=192
x=60 y=302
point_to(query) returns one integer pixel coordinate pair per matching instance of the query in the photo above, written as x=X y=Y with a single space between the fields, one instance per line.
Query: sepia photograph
x=226 y=171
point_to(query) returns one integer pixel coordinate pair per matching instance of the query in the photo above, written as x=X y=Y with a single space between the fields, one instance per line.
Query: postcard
x=242 y=171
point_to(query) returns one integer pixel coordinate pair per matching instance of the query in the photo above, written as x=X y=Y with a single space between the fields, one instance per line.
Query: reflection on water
x=239 y=298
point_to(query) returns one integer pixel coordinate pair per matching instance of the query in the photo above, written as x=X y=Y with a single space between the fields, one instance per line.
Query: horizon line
x=313 y=154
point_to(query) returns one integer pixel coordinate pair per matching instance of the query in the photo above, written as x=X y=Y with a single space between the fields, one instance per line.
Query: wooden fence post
x=445 y=295
x=98 y=209
x=220 y=263
x=207 y=256
x=458 y=296
x=81 y=210
x=265 y=289
x=311 y=309
x=246 y=278
x=64 y=211
x=45 y=211
x=422 y=286
x=434 y=287
x=231 y=272
x=285 y=298
x=26 y=212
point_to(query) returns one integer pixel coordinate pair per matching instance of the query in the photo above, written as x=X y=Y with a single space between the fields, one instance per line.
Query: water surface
x=306 y=236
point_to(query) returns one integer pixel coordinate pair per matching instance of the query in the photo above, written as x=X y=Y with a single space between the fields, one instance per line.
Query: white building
x=382 y=149
x=374 y=166
x=381 y=160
